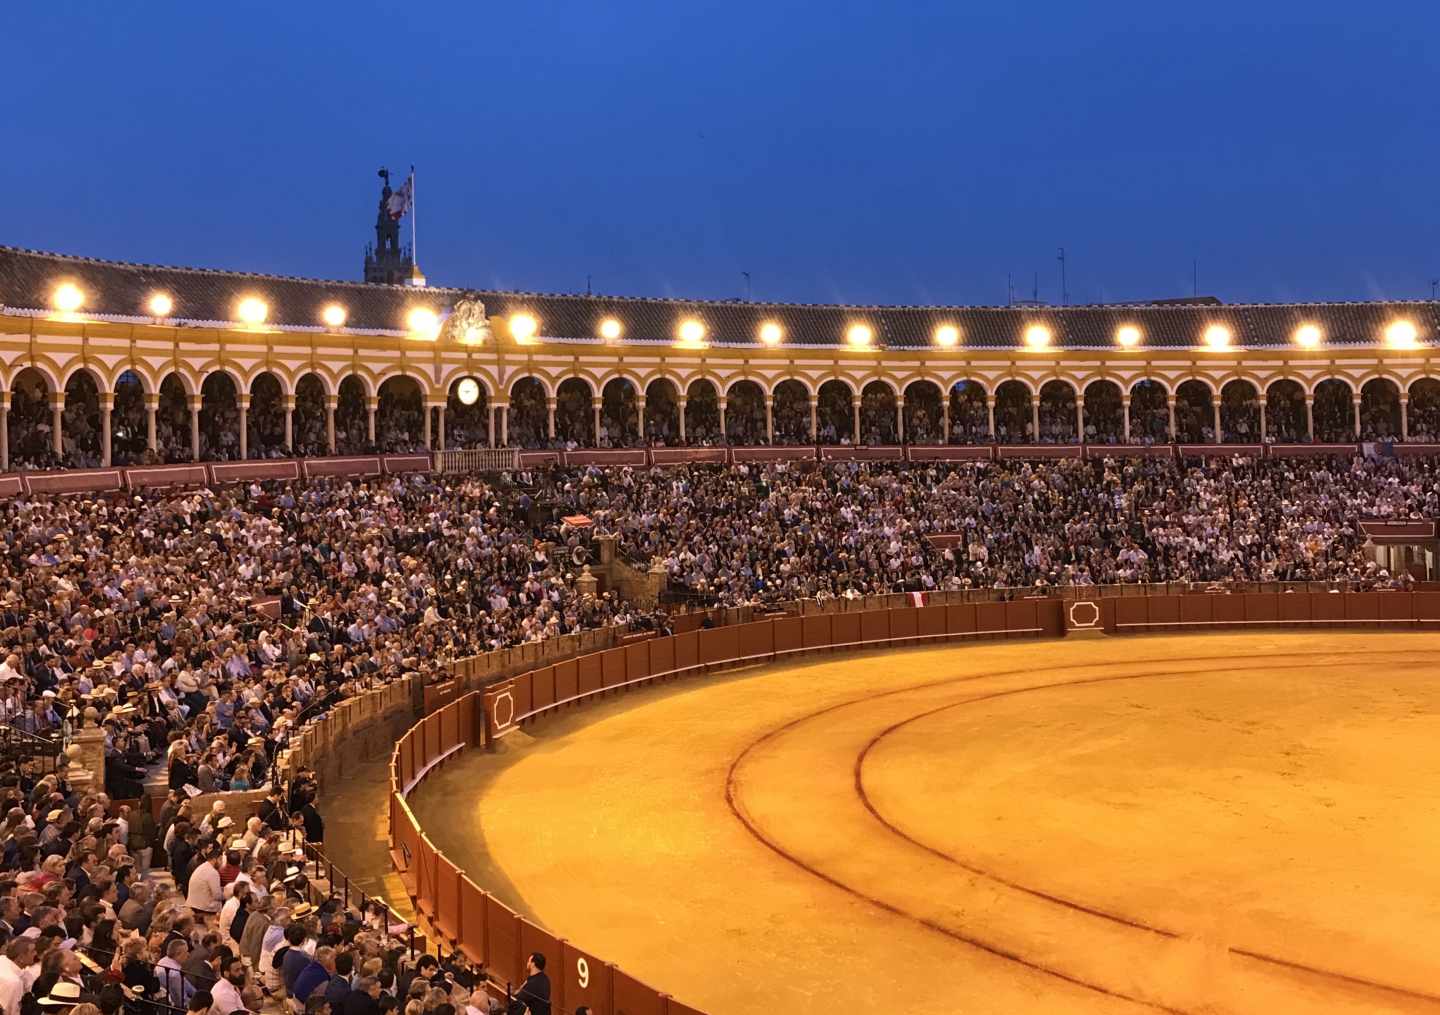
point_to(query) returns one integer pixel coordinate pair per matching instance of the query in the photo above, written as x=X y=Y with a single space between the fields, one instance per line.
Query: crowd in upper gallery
x=619 y=418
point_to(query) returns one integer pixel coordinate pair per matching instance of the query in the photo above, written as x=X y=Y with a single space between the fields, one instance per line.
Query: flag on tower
x=403 y=199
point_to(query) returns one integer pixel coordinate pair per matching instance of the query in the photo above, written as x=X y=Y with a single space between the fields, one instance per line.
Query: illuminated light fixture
x=771 y=333
x=334 y=315
x=1308 y=336
x=860 y=335
x=692 y=332
x=947 y=336
x=473 y=335
x=467 y=391
x=160 y=305
x=422 y=322
x=1401 y=334
x=1038 y=336
x=67 y=298
x=523 y=327
x=252 y=311
x=610 y=329
x=1217 y=336
x=1127 y=336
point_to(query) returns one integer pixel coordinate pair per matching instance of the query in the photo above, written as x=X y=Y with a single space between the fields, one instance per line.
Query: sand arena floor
x=1213 y=823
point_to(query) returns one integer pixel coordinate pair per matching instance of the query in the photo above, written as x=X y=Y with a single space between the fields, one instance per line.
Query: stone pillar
x=595 y=404
x=4 y=431
x=657 y=578
x=152 y=409
x=1170 y=426
x=1125 y=416
x=855 y=419
x=288 y=410
x=1215 y=408
x=1035 y=418
x=372 y=406
x=945 y=416
x=682 y=401
x=724 y=433
x=900 y=419
x=586 y=583
x=57 y=422
x=769 y=419
x=242 y=402
x=1404 y=417
x=195 y=402
x=331 y=401
x=1355 y=416
x=107 y=406
x=1262 y=421
x=640 y=416
x=90 y=758
x=1080 y=419
x=505 y=424
x=440 y=419
x=814 y=419
x=491 y=429
x=1310 y=418
x=990 y=415
x=550 y=418
x=426 y=427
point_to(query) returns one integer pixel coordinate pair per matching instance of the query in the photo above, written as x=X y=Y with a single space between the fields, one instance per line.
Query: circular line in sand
x=733 y=801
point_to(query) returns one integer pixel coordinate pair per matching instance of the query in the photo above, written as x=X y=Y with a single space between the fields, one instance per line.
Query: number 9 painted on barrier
x=582 y=969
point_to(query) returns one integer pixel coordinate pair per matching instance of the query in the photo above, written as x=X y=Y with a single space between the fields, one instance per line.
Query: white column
x=595 y=405
x=152 y=409
x=769 y=419
x=945 y=415
x=372 y=406
x=57 y=422
x=1079 y=419
x=195 y=402
x=724 y=433
x=1215 y=407
x=640 y=416
x=900 y=419
x=505 y=424
x=682 y=401
x=1404 y=417
x=440 y=413
x=855 y=418
x=814 y=420
x=288 y=410
x=242 y=403
x=550 y=418
x=990 y=415
x=4 y=431
x=1125 y=416
x=107 y=406
x=1310 y=418
x=331 y=401
x=1170 y=427
x=1035 y=418
x=1356 y=415
x=1262 y=419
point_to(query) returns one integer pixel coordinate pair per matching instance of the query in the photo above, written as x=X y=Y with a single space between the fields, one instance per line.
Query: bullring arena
x=1209 y=822
x=739 y=657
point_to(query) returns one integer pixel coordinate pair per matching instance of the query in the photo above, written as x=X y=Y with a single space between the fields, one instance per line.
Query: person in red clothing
x=229 y=868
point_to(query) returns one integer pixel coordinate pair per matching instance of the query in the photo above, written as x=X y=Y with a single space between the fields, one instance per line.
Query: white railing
x=478 y=460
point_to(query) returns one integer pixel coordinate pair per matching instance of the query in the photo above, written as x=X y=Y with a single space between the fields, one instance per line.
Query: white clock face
x=468 y=391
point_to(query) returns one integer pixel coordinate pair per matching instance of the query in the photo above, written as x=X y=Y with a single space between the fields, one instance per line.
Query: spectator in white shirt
x=204 y=894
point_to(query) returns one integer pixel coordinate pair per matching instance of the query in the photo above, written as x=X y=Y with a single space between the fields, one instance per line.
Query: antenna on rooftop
x=746 y=276
x=1064 y=290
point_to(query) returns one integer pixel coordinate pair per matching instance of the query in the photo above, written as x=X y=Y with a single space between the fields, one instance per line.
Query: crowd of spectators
x=143 y=615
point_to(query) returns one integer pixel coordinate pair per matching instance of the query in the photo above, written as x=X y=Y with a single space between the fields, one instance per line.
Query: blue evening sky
x=909 y=152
